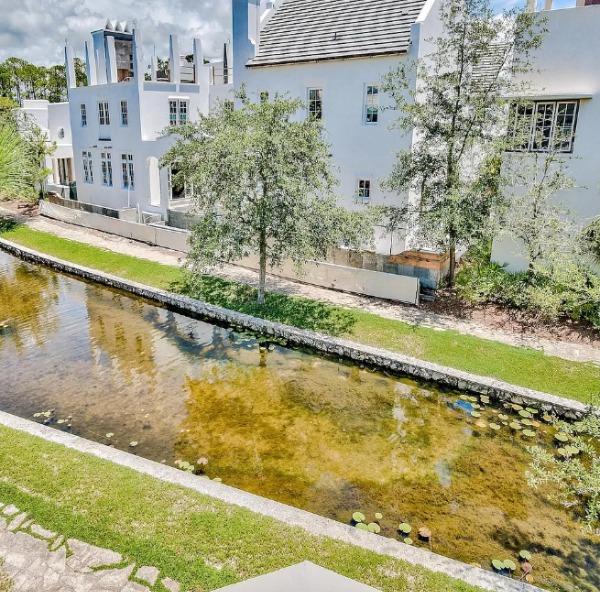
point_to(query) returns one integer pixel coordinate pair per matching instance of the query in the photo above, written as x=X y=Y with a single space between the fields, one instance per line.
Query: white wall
x=566 y=66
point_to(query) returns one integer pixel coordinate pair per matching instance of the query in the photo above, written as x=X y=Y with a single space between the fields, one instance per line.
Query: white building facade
x=118 y=120
x=565 y=103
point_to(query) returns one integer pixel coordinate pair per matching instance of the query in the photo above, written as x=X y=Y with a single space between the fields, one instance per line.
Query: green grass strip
x=516 y=365
x=203 y=543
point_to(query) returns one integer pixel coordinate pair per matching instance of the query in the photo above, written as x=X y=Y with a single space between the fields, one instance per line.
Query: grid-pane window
x=103 y=113
x=315 y=103
x=372 y=104
x=173 y=112
x=83 y=112
x=88 y=171
x=107 y=173
x=183 y=112
x=124 y=113
x=127 y=171
x=363 y=191
x=543 y=126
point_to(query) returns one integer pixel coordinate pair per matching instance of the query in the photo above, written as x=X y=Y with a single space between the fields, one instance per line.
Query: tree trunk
x=262 y=271
x=452 y=269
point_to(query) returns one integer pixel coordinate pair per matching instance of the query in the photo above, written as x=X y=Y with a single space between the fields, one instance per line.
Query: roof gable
x=309 y=30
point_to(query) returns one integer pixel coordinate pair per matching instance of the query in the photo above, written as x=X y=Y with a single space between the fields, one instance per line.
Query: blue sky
x=36 y=29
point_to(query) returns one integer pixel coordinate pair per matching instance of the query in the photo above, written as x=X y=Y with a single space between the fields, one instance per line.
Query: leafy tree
x=262 y=185
x=534 y=216
x=454 y=114
x=16 y=162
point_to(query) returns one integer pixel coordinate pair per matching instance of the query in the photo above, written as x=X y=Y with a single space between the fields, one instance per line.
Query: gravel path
x=579 y=352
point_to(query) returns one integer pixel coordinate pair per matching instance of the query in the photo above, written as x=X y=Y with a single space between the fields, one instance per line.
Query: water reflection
x=324 y=436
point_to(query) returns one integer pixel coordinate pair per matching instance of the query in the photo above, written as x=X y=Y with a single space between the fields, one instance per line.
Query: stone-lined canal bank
x=497 y=390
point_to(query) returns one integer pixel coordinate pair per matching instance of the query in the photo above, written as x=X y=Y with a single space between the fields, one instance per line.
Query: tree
x=454 y=113
x=533 y=216
x=262 y=185
x=17 y=164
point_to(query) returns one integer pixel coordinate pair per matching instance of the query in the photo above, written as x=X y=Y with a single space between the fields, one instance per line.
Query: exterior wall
x=359 y=150
x=566 y=67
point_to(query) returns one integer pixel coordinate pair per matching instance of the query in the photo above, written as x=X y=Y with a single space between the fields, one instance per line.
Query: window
x=124 y=114
x=543 y=126
x=88 y=172
x=103 y=113
x=179 y=190
x=315 y=103
x=107 y=173
x=83 y=111
x=363 y=193
x=372 y=104
x=178 y=112
x=127 y=169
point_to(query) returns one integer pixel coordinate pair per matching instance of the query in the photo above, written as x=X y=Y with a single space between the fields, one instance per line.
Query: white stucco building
x=54 y=122
x=565 y=103
x=117 y=120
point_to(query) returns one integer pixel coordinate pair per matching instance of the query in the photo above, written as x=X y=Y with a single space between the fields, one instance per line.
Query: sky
x=35 y=30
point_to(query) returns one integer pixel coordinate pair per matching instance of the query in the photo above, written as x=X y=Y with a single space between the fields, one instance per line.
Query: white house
x=118 y=118
x=54 y=122
x=565 y=96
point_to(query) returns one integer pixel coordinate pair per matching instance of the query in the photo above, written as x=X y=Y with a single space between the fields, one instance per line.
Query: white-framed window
x=83 y=112
x=124 y=114
x=107 y=172
x=103 y=113
x=363 y=191
x=315 y=103
x=178 y=111
x=371 y=111
x=88 y=169
x=543 y=126
x=127 y=171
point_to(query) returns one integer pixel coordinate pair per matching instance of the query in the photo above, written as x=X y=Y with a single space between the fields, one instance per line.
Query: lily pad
x=378 y=516
x=516 y=426
x=408 y=541
x=484 y=399
x=133 y=444
x=529 y=433
x=362 y=526
x=481 y=423
x=374 y=527
x=109 y=435
x=509 y=564
x=358 y=517
x=524 y=554
x=475 y=414
x=405 y=528
x=524 y=413
x=497 y=564
x=572 y=450
x=561 y=437
x=527 y=422
x=547 y=418
x=494 y=426
x=532 y=410
x=503 y=417
x=517 y=407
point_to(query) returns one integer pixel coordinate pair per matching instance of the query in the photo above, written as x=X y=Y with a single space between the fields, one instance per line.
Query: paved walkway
x=579 y=352
x=36 y=560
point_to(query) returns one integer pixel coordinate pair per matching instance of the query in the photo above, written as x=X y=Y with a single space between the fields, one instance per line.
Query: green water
x=319 y=434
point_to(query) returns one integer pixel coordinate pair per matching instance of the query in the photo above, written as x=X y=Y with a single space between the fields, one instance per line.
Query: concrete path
x=38 y=560
x=579 y=352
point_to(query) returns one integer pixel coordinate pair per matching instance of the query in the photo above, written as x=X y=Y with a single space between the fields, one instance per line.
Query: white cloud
x=36 y=30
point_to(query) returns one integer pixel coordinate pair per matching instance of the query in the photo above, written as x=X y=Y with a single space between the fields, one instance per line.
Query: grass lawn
x=516 y=365
x=201 y=542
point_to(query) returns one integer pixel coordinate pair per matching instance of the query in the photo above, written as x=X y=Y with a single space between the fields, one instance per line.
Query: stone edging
x=311 y=523
x=383 y=359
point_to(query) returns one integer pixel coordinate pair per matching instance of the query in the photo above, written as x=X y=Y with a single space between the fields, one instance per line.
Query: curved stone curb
x=456 y=379
x=316 y=525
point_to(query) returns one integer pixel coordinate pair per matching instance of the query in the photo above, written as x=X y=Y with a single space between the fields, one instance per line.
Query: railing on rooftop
x=221 y=76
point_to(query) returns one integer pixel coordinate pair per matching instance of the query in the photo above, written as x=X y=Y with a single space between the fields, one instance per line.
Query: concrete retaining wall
x=348 y=279
x=363 y=354
x=153 y=234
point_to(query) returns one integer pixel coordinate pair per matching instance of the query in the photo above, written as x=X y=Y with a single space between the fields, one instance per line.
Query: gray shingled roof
x=308 y=30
